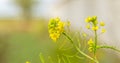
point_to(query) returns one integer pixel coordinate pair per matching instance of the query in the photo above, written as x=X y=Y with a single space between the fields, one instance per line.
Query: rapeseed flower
x=95 y=28
x=89 y=19
x=90 y=42
x=27 y=62
x=91 y=45
x=90 y=49
x=102 y=23
x=103 y=30
x=88 y=26
x=56 y=28
x=92 y=23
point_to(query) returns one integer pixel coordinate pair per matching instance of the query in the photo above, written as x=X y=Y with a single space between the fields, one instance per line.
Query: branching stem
x=87 y=56
x=109 y=47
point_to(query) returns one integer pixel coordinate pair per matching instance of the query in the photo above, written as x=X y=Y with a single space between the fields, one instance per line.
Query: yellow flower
x=88 y=26
x=103 y=30
x=102 y=23
x=27 y=62
x=57 y=19
x=60 y=24
x=95 y=28
x=90 y=42
x=87 y=20
x=94 y=18
x=91 y=19
x=54 y=36
x=95 y=22
x=50 y=30
x=56 y=28
x=91 y=45
x=90 y=49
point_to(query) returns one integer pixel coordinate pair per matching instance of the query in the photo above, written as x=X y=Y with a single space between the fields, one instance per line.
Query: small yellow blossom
x=94 y=18
x=103 y=30
x=57 y=19
x=27 y=62
x=91 y=45
x=95 y=28
x=60 y=25
x=102 y=23
x=88 y=26
x=90 y=49
x=91 y=19
x=87 y=20
x=95 y=22
x=54 y=36
x=90 y=42
x=56 y=27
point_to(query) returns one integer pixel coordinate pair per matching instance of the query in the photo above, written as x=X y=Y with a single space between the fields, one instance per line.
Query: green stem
x=95 y=48
x=41 y=58
x=87 y=56
x=50 y=58
x=59 y=60
x=68 y=37
x=109 y=47
x=95 y=43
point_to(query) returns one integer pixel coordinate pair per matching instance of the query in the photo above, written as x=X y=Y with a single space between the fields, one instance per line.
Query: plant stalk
x=87 y=56
x=95 y=47
x=109 y=47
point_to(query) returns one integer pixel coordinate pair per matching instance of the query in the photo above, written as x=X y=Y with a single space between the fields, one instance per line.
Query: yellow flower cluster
x=56 y=27
x=91 y=45
x=27 y=62
x=92 y=23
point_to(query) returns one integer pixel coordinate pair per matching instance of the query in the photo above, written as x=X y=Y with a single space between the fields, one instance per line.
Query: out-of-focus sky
x=9 y=9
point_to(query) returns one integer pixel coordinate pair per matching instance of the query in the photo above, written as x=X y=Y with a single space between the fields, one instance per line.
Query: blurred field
x=19 y=25
x=19 y=44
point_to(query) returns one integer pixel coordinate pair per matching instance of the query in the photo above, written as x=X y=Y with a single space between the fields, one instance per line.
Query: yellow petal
x=90 y=42
x=88 y=26
x=87 y=20
x=90 y=49
x=27 y=62
x=103 y=30
x=102 y=23
x=95 y=28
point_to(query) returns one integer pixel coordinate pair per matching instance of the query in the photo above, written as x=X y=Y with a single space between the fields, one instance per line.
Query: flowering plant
x=56 y=28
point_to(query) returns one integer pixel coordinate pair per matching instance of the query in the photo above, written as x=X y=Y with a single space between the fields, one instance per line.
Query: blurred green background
x=24 y=34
